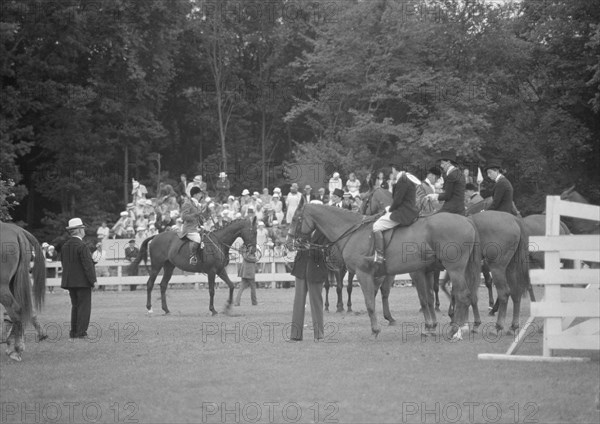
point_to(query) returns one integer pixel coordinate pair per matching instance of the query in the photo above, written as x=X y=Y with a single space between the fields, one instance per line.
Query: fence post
x=120 y=275
x=552 y=293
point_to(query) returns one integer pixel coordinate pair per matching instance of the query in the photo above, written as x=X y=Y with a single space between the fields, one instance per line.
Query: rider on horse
x=502 y=199
x=454 y=185
x=191 y=213
x=402 y=212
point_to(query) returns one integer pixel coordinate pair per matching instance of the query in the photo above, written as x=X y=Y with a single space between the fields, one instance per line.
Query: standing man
x=307 y=194
x=310 y=270
x=453 y=194
x=503 y=189
x=223 y=187
x=79 y=277
x=247 y=272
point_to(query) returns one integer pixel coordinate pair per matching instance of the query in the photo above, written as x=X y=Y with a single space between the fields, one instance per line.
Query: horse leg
x=223 y=275
x=419 y=280
x=150 y=285
x=339 y=289
x=349 y=290
x=436 y=289
x=168 y=267
x=463 y=299
x=14 y=339
x=211 y=292
x=327 y=285
x=487 y=277
x=369 y=288
x=503 y=292
x=385 y=294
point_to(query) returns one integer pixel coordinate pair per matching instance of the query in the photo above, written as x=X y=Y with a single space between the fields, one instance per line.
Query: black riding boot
x=194 y=252
x=378 y=257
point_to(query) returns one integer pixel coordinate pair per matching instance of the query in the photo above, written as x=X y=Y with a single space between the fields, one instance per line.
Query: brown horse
x=375 y=203
x=15 y=286
x=168 y=251
x=448 y=238
x=505 y=244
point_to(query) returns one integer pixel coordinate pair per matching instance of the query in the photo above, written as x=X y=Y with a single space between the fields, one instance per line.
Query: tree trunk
x=263 y=151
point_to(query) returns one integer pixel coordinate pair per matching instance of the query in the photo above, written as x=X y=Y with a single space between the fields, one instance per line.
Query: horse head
x=248 y=234
x=298 y=229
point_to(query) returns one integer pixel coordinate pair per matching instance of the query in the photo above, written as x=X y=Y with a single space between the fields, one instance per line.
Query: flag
x=479 y=176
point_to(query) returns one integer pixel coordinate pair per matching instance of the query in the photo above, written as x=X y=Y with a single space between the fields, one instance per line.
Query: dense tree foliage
x=92 y=90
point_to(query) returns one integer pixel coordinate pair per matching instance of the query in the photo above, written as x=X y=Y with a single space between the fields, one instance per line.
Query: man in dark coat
x=402 y=212
x=310 y=270
x=503 y=190
x=192 y=214
x=79 y=277
x=453 y=194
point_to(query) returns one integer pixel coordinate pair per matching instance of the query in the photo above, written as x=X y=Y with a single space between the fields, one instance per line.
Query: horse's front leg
x=339 y=289
x=211 y=292
x=149 y=287
x=223 y=275
x=369 y=288
x=385 y=295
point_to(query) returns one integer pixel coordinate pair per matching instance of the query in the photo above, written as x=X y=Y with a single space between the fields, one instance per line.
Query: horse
x=576 y=225
x=374 y=204
x=168 y=251
x=15 y=286
x=450 y=239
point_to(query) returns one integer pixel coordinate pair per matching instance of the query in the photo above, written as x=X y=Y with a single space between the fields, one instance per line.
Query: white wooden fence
x=570 y=309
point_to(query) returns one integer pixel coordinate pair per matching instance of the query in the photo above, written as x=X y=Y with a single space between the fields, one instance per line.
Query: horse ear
x=302 y=201
x=254 y=222
x=569 y=190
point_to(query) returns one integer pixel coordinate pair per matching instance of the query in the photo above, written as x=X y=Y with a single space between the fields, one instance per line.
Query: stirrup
x=193 y=260
x=378 y=258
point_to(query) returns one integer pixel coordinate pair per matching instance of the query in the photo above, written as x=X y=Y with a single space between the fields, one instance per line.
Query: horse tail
x=21 y=285
x=473 y=269
x=133 y=267
x=519 y=263
x=39 y=271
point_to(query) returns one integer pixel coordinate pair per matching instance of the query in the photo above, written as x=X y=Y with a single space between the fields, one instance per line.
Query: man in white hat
x=120 y=228
x=223 y=187
x=197 y=182
x=79 y=277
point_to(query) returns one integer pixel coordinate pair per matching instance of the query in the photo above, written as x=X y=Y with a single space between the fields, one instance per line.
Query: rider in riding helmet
x=191 y=213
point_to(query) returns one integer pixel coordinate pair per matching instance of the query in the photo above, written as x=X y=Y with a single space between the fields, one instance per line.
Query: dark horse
x=15 y=286
x=448 y=238
x=168 y=251
x=374 y=204
x=576 y=225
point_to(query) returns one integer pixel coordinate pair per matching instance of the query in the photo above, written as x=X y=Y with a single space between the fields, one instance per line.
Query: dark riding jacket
x=503 y=196
x=311 y=265
x=454 y=193
x=404 y=204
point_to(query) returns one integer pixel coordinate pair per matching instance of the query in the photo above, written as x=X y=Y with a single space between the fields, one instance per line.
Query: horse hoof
x=491 y=313
x=339 y=311
x=150 y=311
x=167 y=312
x=43 y=337
x=392 y=322
x=437 y=309
x=15 y=356
x=376 y=331
x=214 y=313
x=326 y=309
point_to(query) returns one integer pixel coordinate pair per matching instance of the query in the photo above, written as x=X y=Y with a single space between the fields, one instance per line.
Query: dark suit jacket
x=503 y=196
x=77 y=264
x=311 y=264
x=131 y=253
x=404 y=204
x=454 y=193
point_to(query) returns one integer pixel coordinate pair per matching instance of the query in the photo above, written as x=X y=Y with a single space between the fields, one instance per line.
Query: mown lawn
x=192 y=367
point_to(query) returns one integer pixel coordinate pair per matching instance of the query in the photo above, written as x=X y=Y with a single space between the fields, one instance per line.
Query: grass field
x=192 y=367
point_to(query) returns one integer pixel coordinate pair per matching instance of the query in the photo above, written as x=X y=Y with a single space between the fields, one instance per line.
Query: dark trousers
x=81 y=309
x=314 y=290
x=247 y=282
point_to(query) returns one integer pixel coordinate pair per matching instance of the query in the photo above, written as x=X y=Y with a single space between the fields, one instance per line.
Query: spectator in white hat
x=223 y=187
x=335 y=182
x=197 y=182
x=121 y=226
x=277 y=206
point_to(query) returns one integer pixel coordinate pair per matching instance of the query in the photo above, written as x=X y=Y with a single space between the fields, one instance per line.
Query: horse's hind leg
x=339 y=289
x=14 y=339
x=164 y=282
x=503 y=292
x=385 y=294
x=150 y=285
x=211 y=291
x=436 y=289
x=487 y=277
x=349 y=290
